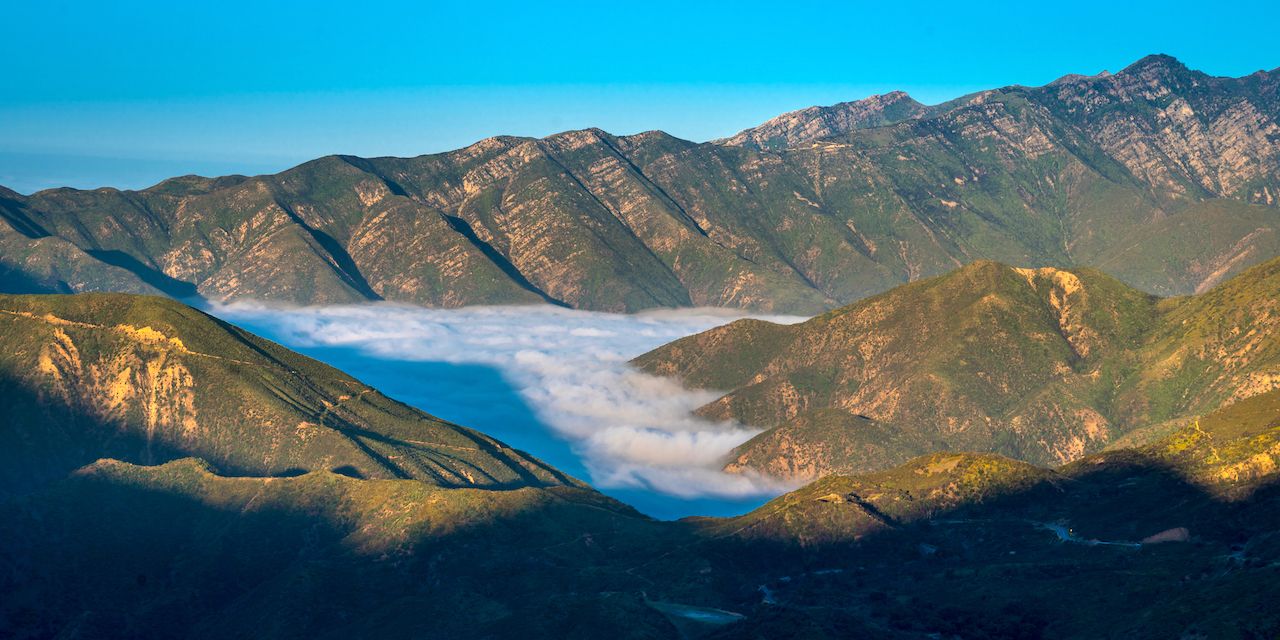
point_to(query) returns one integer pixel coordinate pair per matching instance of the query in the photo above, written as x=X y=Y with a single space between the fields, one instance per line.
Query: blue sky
x=127 y=93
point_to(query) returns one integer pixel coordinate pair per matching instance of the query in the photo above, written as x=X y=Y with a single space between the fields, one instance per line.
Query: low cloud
x=628 y=429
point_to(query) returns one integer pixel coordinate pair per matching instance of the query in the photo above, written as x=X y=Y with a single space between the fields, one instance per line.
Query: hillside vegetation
x=1165 y=177
x=146 y=380
x=1043 y=365
x=1171 y=534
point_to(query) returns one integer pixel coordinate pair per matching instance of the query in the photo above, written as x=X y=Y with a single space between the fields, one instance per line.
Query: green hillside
x=146 y=379
x=1041 y=365
x=278 y=534
x=961 y=545
x=130 y=551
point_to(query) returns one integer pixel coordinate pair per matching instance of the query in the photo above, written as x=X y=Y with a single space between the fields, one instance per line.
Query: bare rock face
x=814 y=123
x=814 y=209
x=1181 y=130
x=147 y=380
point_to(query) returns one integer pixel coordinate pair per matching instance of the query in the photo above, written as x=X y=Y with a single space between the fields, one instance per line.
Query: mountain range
x=1040 y=399
x=1164 y=177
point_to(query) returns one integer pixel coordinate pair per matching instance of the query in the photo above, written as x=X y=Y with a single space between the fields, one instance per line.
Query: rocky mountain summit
x=815 y=123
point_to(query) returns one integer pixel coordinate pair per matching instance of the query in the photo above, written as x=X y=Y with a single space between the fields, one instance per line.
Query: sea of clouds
x=477 y=365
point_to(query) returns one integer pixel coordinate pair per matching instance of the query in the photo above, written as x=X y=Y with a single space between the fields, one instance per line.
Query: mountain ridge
x=1043 y=365
x=1111 y=170
x=146 y=379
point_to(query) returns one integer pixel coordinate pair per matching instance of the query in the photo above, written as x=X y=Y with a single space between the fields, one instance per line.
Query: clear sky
x=126 y=93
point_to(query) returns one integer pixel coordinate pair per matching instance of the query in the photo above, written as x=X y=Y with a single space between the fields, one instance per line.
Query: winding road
x=1065 y=534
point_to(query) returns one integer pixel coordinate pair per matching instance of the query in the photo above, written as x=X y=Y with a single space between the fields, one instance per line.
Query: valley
x=946 y=542
x=1003 y=366
x=546 y=380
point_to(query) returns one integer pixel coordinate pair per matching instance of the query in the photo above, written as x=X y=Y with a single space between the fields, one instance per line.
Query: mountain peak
x=576 y=138
x=1080 y=77
x=813 y=123
x=1156 y=62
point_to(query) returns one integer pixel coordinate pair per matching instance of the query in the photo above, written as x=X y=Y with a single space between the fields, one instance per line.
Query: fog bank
x=552 y=381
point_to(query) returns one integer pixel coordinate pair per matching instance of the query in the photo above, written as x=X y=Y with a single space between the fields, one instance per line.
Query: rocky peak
x=578 y=138
x=1072 y=78
x=813 y=123
x=1157 y=70
x=1162 y=62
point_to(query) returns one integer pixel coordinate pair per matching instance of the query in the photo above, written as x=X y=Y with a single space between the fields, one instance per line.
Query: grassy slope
x=1229 y=453
x=1045 y=366
x=949 y=543
x=128 y=551
x=957 y=543
x=147 y=379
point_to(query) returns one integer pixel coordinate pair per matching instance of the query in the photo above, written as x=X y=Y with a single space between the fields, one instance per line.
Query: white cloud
x=629 y=429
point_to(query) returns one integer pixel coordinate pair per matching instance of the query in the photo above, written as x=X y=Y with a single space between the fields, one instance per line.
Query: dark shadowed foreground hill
x=1043 y=365
x=1164 y=177
x=1177 y=538
x=948 y=545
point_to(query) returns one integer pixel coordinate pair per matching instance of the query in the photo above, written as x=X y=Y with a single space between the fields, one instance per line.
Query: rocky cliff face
x=1181 y=131
x=147 y=380
x=815 y=209
x=815 y=123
